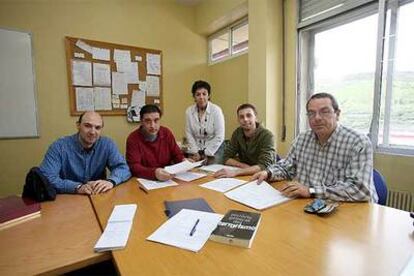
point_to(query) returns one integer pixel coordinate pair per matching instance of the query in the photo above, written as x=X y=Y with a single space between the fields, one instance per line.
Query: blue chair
x=381 y=187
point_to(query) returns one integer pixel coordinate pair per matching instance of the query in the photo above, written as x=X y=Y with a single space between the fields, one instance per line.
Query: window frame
x=305 y=61
x=229 y=30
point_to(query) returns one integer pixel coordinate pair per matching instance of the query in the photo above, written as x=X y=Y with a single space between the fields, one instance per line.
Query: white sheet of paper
x=124 y=212
x=101 y=53
x=102 y=98
x=153 y=86
x=223 y=184
x=183 y=166
x=152 y=184
x=81 y=73
x=131 y=70
x=116 y=233
x=101 y=74
x=176 y=230
x=138 y=58
x=189 y=176
x=122 y=55
x=84 y=46
x=84 y=99
x=138 y=98
x=153 y=64
x=216 y=167
x=256 y=196
x=119 y=83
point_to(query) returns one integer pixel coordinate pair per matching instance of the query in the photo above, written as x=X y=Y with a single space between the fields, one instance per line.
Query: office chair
x=381 y=187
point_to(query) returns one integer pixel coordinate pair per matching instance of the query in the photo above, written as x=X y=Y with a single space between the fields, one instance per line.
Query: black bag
x=38 y=187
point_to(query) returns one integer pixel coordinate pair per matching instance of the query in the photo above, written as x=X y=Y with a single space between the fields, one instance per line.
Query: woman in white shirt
x=204 y=124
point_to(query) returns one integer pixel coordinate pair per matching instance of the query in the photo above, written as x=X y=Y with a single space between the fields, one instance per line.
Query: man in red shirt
x=151 y=147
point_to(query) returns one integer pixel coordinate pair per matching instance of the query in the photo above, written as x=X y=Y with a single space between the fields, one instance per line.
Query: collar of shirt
x=195 y=109
x=78 y=145
x=331 y=138
x=160 y=135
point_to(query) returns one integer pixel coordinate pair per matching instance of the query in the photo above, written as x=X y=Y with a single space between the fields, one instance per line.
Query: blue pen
x=194 y=227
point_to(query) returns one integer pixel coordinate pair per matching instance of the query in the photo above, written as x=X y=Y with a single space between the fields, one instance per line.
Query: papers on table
x=176 y=231
x=152 y=184
x=183 y=166
x=189 y=176
x=216 y=167
x=223 y=184
x=257 y=196
x=116 y=233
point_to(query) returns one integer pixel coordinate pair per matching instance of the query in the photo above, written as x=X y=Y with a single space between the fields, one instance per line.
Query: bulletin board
x=111 y=78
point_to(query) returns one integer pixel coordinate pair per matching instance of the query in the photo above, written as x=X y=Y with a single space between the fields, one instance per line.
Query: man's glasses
x=324 y=113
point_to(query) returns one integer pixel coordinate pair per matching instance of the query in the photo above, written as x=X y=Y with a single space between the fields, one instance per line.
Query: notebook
x=173 y=207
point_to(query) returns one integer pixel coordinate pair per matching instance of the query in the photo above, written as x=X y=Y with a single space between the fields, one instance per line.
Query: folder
x=173 y=207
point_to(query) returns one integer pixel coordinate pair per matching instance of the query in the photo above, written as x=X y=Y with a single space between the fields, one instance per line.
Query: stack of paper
x=257 y=196
x=116 y=233
x=183 y=166
x=189 y=229
x=153 y=184
x=223 y=184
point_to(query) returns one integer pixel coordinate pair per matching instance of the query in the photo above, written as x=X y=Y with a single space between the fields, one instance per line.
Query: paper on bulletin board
x=84 y=99
x=138 y=98
x=130 y=69
x=143 y=86
x=101 y=53
x=102 y=98
x=153 y=64
x=153 y=86
x=101 y=74
x=122 y=55
x=119 y=83
x=81 y=73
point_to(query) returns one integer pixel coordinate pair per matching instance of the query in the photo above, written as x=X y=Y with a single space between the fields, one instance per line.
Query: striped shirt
x=340 y=170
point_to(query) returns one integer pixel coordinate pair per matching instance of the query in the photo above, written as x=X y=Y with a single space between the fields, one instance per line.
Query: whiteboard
x=18 y=114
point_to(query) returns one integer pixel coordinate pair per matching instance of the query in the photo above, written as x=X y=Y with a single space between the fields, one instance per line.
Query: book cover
x=199 y=204
x=237 y=228
x=15 y=209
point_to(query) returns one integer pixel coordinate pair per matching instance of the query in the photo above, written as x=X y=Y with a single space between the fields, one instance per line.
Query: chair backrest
x=381 y=187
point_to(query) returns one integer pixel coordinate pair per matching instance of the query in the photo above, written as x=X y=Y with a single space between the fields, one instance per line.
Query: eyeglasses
x=324 y=113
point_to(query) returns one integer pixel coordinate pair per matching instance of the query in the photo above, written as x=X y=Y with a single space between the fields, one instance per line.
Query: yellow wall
x=229 y=88
x=162 y=25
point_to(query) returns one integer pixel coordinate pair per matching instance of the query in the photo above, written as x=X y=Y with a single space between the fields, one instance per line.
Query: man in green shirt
x=251 y=147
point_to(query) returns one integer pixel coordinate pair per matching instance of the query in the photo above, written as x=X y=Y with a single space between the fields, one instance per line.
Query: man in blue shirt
x=77 y=163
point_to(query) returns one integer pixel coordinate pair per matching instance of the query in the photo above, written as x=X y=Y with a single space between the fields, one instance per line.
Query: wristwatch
x=113 y=182
x=312 y=192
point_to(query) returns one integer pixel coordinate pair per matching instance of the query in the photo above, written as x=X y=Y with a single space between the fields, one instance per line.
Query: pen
x=194 y=227
x=143 y=189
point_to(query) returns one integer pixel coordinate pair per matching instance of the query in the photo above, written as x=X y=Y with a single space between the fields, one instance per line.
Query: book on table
x=15 y=210
x=237 y=228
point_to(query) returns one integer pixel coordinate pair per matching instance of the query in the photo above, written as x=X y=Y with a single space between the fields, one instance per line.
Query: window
x=372 y=79
x=231 y=41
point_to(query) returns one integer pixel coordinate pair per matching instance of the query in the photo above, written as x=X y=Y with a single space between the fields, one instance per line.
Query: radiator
x=400 y=200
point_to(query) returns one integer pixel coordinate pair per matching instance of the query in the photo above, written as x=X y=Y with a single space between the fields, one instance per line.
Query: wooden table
x=60 y=240
x=359 y=239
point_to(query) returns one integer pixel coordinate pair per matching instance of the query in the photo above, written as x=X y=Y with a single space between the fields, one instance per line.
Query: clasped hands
x=95 y=187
